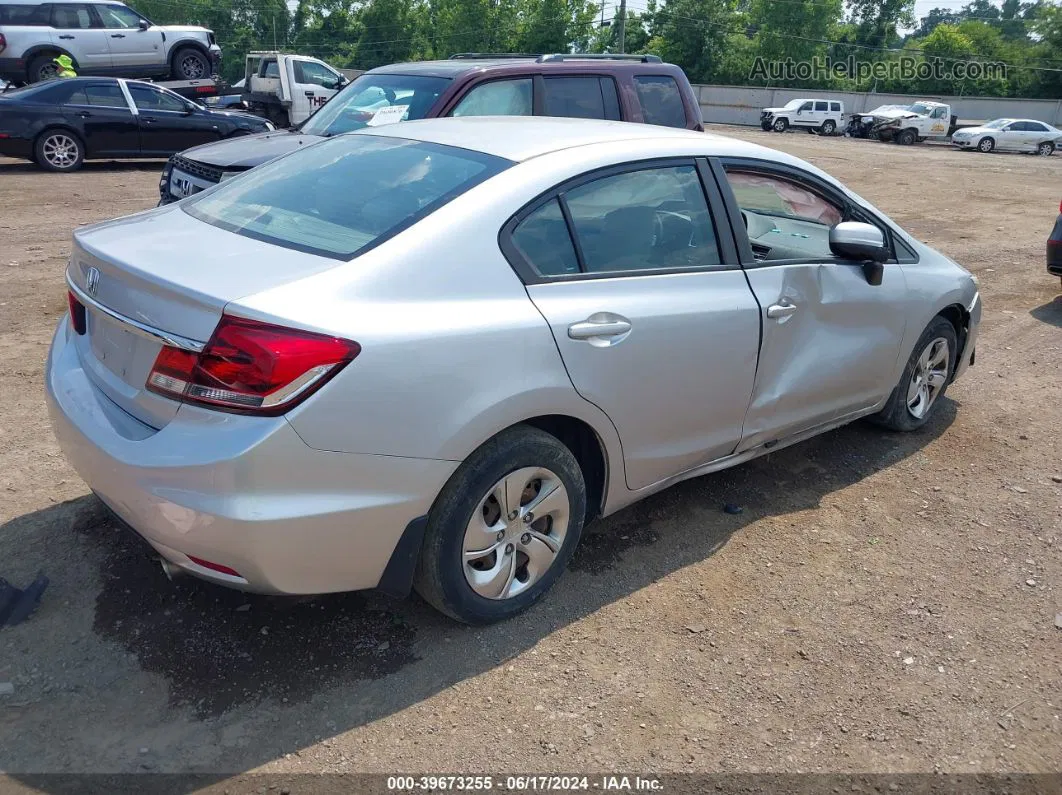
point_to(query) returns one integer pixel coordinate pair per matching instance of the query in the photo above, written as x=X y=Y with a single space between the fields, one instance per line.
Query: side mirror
x=143 y=24
x=341 y=81
x=859 y=241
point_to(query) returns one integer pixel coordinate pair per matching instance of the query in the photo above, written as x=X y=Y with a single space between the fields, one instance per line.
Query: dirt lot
x=885 y=602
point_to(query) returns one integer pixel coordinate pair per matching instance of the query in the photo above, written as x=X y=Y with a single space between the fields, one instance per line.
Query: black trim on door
x=528 y=274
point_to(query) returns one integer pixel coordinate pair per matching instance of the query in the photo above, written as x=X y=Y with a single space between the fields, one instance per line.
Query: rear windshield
x=342 y=196
x=375 y=99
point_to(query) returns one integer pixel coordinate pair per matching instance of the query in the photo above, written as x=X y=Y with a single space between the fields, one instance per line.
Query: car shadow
x=1051 y=312
x=10 y=166
x=367 y=656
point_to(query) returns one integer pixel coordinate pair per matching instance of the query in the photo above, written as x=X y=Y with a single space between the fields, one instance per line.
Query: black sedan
x=60 y=123
x=1054 y=247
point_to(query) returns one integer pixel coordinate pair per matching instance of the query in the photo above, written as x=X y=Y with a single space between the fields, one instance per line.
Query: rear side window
x=107 y=96
x=653 y=218
x=835 y=107
x=343 y=195
x=1035 y=126
x=27 y=16
x=497 y=98
x=73 y=17
x=543 y=240
x=580 y=97
x=661 y=100
x=820 y=106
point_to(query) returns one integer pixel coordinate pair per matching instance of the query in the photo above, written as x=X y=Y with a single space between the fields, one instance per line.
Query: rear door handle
x=781 y=310
x=608 y=326
x=117 y=35
x=66 y=37
x=84 y=114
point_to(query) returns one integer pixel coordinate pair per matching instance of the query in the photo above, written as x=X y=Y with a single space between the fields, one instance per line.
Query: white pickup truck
x=904 y=124
x=287 y=89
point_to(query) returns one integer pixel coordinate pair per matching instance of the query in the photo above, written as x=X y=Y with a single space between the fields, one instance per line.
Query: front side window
x=118 y=17
x=72 y=16
x=783 y=218
x=147 y=98
x=653 y=218
x=939 y=113
x=497 y=98
x=370 y=98
x=807 y=106
x=343 y=195
x=308 y=72
x=661 y=100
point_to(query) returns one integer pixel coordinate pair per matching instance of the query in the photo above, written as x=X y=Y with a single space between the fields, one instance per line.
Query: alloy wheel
x=929 y=377
x=60 y=151
x=191 y=67
x=1045 y=148
x=515 y=533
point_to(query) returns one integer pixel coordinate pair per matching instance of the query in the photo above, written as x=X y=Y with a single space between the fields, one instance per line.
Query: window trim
x=713 y=200
x=462 y=95
x=811 y=182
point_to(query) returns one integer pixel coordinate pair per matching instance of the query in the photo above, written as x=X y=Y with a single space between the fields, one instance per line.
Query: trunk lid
x=164 y=272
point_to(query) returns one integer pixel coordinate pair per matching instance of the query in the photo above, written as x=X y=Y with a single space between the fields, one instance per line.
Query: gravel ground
x=885 y=602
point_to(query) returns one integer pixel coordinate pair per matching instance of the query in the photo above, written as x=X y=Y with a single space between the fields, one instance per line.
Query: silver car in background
x=427 y=354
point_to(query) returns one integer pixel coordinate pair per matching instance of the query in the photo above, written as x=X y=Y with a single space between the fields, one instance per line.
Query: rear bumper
x=1054 y=249
x=243 y=492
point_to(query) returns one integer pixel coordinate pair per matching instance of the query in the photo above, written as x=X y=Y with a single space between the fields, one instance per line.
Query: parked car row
x=909 y=124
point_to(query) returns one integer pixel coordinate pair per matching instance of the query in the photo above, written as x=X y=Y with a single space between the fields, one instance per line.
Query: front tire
x=503 y=528
x=59 y=150
x=906 y=137
x=781 y=125
x=986 y=145
x=924 y=380
x=190 y=64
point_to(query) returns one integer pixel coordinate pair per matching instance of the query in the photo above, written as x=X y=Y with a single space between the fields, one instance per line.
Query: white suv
x=815 y=115
x=102 y=38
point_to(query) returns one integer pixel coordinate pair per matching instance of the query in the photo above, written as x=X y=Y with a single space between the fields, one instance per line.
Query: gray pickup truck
x=102 y=38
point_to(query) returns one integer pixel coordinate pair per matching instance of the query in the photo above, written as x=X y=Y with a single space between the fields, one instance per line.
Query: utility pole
x=622 y=26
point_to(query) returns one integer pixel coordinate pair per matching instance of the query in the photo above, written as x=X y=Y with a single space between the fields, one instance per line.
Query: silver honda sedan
x=426 y=355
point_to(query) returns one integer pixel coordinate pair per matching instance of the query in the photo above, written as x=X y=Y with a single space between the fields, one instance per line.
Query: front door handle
x=599 y=325
x=84 y=114
x=66 y=37
x=781 y=310
x=117 y=35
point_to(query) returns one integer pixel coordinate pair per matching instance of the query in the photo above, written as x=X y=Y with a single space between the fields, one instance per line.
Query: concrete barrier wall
x=742 y=105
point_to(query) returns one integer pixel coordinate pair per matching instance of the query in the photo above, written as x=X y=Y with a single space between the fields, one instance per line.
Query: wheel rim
x=828 y=128
x=515 y=533
x=1045 y=149
x=985 y=146
x=779 y=125
x=60 y=151
x=192 y=67
x=48 y=71
x=929 y=377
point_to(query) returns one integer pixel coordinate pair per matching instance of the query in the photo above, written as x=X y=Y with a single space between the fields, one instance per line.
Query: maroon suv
x=634 y=88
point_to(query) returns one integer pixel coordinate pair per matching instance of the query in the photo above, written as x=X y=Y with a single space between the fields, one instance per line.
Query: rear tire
x=829 y=127
x=58 y=150
x=189 y=64
x=1045 y=149
x=924 y=380
x=43 y=67
x=986 y=145
x=468 y=518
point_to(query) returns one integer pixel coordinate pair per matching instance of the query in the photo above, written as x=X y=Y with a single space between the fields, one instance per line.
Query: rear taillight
x=251 y=367
x=77 y=312
x=3 y=43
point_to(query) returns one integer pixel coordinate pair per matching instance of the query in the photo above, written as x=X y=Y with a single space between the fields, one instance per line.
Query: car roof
x=532 y=63
x=521 y=138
